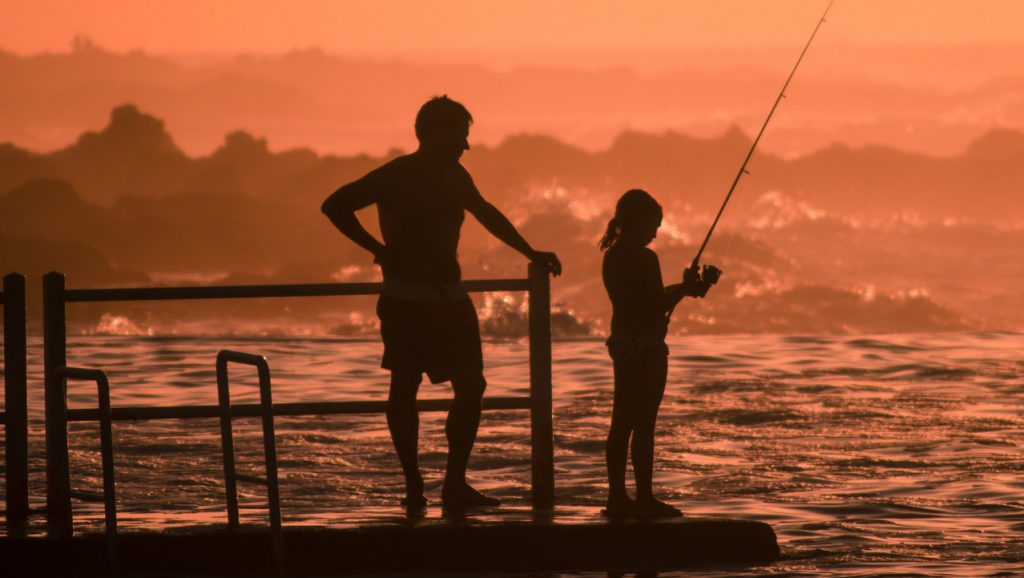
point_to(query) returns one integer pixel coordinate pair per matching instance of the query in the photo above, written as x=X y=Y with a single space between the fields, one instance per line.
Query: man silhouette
x=427 y=321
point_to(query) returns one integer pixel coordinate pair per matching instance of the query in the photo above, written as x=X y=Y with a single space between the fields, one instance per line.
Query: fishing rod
x=750 y=153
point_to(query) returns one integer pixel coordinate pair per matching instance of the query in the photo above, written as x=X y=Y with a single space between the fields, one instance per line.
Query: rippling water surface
x=868 y=455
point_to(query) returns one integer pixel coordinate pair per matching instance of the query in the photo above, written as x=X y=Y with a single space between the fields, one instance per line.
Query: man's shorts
x=436 y=338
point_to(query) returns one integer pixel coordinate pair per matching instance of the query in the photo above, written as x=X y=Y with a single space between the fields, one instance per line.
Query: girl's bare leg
x=649 y=394
x=618 y=440
x=615 y=458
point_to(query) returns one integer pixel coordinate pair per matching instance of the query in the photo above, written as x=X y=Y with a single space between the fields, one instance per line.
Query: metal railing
x=15 y=414
x=56 y=296
x=231 y=477
x=108 y=497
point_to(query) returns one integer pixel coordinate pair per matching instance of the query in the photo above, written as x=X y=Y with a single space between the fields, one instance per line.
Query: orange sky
x=445 y=28
x=923 y=75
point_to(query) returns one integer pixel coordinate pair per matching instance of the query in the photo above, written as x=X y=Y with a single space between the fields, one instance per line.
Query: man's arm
x=498 y=225
x=341 y=209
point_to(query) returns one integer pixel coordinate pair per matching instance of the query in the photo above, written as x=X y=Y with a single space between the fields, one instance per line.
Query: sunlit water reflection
x=868 y=455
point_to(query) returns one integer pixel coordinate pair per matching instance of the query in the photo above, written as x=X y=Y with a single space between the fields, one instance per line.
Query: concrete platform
x=437 y=546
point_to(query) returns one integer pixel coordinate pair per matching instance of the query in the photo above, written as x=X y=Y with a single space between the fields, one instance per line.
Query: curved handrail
x=231 y=477
x=106 y=452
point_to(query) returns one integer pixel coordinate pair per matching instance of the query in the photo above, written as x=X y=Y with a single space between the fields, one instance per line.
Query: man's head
x=442 y=127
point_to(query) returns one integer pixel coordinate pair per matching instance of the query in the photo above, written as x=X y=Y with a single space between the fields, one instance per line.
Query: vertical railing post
x=58 y=482
x=227 y=441
x=107 y=457
x=16 y=400
x=541 y=431
x=270 y=457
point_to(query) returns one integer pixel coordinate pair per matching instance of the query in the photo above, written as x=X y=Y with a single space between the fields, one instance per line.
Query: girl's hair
x=634 y=206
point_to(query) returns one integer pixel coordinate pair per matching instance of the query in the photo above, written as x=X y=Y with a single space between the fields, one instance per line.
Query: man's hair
x=440 y=115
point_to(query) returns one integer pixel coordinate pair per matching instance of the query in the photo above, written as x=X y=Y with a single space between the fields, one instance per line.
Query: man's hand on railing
x=549 y=260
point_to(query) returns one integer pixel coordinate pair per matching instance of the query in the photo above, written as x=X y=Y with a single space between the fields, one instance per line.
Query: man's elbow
x=334 y=208
x=342 y=217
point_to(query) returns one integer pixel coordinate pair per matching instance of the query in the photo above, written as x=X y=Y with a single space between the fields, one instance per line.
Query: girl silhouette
x=641 y=306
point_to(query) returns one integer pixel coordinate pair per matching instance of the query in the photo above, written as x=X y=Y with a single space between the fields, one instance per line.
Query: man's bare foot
x=619 y=506
x=654 y=508
x=464 y=495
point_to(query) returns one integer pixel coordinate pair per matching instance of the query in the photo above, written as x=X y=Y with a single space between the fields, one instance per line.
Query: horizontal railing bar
x=251 y=479
x=87 y=496
x=250 y=291
x=80 y=373
x=281 y=409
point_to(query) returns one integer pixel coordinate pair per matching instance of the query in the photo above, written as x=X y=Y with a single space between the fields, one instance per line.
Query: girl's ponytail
x=611 y=234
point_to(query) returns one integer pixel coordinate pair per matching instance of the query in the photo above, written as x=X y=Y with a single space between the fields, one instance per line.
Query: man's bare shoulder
x=397 y=165
x=398 y=172
x=465 y=180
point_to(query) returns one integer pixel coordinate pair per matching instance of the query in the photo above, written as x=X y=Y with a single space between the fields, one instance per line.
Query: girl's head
x=637 y=218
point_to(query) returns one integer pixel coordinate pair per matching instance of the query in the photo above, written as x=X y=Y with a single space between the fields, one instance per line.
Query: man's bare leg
x=460 y=428
x=404 y=424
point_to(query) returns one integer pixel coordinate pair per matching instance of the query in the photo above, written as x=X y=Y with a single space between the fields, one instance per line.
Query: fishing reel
x=710 y=274
x=697 y=275
x=699 y=279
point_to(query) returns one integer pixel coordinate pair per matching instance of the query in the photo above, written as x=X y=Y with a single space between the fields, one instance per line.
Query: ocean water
x=869 y=455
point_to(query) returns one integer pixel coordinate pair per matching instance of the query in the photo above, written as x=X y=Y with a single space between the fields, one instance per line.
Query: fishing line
x=746 y=207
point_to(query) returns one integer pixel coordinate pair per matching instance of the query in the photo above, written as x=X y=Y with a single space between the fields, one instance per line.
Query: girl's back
x=632 y=277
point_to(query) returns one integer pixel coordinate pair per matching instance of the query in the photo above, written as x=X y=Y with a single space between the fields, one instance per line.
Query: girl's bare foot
x=655 y=509
x=618 y=506
x=465 y=495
